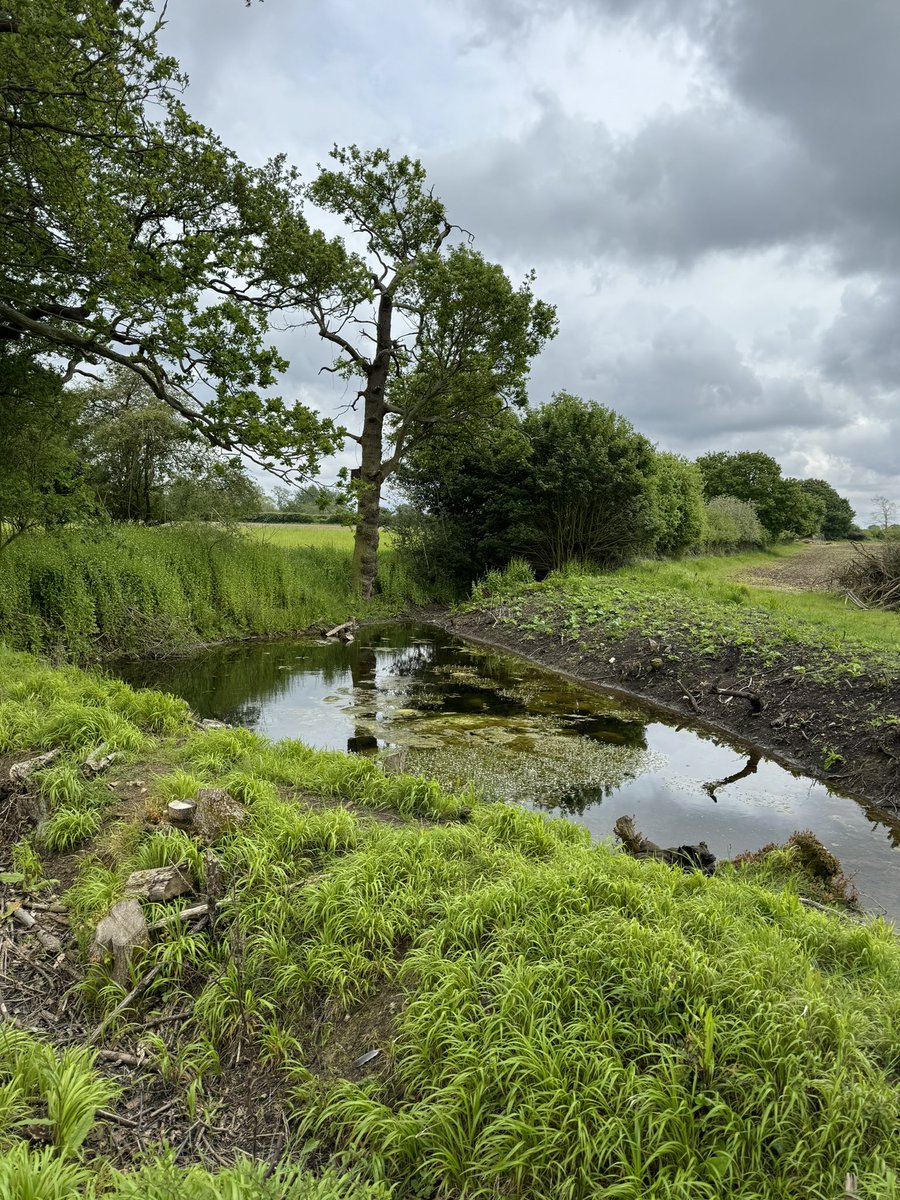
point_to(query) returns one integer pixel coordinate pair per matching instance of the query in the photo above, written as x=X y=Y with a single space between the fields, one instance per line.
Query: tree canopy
x=434 y=334
x=782 y=505
x=837 y=512
x=131 y=235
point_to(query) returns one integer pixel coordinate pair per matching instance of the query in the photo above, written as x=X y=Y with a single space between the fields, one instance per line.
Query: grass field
x=724 y=579
x=292 y=536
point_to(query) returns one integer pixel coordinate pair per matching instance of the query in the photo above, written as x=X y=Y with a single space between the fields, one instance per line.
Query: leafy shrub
x=731 y=524
x=678 y=491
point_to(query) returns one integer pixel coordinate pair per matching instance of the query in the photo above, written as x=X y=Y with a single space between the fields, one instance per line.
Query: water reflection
x=464 y=714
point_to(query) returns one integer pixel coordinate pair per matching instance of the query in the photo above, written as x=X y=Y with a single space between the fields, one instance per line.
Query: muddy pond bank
x=464 y=712
x=832 y=712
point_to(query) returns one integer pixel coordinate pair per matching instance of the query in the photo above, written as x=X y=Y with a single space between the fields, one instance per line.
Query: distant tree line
x=574 y=480
x=109 y=450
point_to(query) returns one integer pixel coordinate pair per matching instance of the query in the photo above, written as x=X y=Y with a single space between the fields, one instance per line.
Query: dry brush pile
x=871 y=579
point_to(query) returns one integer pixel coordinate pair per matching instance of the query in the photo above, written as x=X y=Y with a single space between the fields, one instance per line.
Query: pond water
x=461 y=713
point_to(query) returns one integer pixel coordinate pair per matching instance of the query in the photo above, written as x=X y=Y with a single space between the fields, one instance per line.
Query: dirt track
x=810 y=569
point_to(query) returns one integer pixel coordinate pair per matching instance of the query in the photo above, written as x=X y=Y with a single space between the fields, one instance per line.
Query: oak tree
x=131 y=235
x=435 y=335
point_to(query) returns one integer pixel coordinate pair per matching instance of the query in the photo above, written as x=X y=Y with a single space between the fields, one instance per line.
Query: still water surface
x=464 y=713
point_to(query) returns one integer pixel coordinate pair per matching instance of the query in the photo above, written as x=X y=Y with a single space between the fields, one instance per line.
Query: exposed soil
x=822 y=729
x=811 y=569
x=242 y=1108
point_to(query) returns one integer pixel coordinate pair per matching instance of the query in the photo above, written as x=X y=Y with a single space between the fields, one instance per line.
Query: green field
x=714 y=578
x=292 y=536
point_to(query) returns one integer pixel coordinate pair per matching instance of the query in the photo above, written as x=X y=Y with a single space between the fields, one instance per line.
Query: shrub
x=678 y=490
x=731 y=525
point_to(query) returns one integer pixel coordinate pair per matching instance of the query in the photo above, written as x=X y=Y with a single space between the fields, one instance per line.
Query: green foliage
x=592 y=485
x=145 y=463
x=467 y=335
x=731 y=525
x=39 y=487
x=678 y=491
x=39 y=1086
x=469 y=507
x=146 y=247
x=837 y=513
x=498 y=585
x=132 y=591
x=783 y=506
x=570 y=481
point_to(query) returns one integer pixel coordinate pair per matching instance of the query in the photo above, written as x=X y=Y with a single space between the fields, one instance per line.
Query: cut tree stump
x=160 y=883
x=120 y=933
x=180 y=812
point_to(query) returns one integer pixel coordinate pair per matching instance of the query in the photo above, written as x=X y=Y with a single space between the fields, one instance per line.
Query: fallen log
x=160 y=883
x=345 y=631
x=689 y=858
x=755 y=699
x=50 y=943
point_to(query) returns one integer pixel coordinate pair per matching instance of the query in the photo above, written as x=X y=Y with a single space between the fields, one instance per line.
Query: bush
x=592 y=485
x=731 y=525
x=678 y=490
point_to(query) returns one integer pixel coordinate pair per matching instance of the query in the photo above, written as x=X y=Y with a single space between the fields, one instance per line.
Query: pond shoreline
x=868 y=772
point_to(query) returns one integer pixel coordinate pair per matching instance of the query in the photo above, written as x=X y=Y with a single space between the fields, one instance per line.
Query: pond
x=463 y=713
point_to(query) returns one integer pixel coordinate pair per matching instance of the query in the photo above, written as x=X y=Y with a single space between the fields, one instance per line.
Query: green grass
x=698 y=611
x=713 y=578
x=91 y=593
x=573 y=1023
x=292 y=536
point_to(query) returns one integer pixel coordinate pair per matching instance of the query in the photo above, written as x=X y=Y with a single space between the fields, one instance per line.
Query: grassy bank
x=86 y=593
x=553 y=1019
x=729 y=579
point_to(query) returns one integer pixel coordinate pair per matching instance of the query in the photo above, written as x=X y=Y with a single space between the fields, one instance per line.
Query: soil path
x=808 y=570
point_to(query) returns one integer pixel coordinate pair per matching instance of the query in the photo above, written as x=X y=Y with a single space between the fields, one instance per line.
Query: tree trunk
x=368 y=508
x=365 y=548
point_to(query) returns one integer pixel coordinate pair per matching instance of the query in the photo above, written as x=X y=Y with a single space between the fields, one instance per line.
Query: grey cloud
x=862 y=346
x=689 y=381
x=689 y=184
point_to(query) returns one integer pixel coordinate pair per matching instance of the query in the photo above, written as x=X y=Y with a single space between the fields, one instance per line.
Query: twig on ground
x=139 y=987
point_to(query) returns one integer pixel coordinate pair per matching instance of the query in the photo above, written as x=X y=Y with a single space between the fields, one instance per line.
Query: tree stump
x=120 y=933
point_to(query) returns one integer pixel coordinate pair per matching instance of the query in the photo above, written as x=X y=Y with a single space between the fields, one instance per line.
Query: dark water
x=463 y=713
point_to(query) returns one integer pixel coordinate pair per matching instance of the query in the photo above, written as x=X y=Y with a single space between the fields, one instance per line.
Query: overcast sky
x=709 y=191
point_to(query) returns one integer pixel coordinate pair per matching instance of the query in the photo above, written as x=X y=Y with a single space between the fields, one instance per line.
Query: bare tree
x=884 y=512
